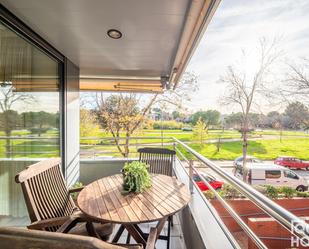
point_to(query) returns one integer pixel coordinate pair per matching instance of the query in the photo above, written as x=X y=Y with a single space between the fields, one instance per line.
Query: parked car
x=239 y=161
x=292 y=162
x=271 y=174
x=250 y=159
x=216 y=184
x=187 y=128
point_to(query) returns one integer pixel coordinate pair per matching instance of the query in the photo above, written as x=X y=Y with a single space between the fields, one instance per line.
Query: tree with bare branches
x=122 y=112
x=245 y=87
x=9 y=117
x=297 y=80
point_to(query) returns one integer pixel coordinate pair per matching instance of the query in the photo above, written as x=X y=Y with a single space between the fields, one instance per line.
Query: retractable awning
x=154 y=39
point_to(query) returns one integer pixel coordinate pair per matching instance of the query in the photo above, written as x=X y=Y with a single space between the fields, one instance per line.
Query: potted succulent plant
x=136 y=177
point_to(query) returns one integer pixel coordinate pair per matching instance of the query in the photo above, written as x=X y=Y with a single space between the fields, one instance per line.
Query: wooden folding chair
x=160 y=161
x=50 y=205
x=17 y=238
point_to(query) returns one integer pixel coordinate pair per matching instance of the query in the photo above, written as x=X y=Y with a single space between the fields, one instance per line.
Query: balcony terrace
x=50 y=51
x=197 y=226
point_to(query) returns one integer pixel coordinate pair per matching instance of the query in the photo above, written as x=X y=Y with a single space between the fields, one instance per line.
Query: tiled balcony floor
x=176 y=240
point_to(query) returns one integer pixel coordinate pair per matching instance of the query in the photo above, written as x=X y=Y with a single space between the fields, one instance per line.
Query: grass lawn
x=263 y=149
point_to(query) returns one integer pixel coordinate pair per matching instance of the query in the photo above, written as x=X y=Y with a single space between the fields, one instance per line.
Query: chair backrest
x=18 y=238
x=45 y=191
x=160 y=160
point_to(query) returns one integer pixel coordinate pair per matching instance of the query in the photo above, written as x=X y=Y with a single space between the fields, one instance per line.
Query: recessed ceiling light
x=114 y=34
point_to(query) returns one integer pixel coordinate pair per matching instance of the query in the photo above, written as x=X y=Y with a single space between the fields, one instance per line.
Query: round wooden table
x=103 y=201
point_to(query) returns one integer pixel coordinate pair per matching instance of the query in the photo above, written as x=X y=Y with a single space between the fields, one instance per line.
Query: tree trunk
x=8 y=144
x=218 y=144
x=127 y=144
x=244 y=149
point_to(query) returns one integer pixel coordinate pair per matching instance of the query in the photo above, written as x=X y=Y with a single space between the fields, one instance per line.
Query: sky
x=238 y=25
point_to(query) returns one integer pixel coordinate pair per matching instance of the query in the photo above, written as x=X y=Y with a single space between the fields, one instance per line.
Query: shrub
x=229 y=192
x=271 y=192
x=261 y=189
x=287 y=192
x=167 y=125
x=76 y=185
x=39 y=131
x=209 y=194
x=302 y=194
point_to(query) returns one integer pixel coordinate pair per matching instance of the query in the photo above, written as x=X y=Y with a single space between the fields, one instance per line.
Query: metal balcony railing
x=101 y=147
x=281 y=215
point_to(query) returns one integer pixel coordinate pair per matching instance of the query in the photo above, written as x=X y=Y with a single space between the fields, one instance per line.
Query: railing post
x=191 y=176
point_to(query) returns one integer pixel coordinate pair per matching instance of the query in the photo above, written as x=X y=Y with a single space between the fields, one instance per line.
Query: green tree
x=9 y=117
x=121 y=113
x=176 y=114
x=40 y=122
x=298 y=115
x=88 y=125
x=200 y=131
x=209 y=117
x=9 y=121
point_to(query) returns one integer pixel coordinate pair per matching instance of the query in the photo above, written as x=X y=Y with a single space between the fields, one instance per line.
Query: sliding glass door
x=29 y=117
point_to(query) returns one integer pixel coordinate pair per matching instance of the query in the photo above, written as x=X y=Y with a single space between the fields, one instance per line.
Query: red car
x=216 y=184
x=292 y=162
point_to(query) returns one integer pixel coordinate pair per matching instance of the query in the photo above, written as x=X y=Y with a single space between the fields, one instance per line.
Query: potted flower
x=136 y=177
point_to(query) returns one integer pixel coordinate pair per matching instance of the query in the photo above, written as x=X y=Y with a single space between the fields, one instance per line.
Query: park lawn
x=31 y=148
x=263 y=149
x=284 y=133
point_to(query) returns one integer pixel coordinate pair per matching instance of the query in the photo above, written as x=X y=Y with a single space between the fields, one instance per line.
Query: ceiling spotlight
x=114 y=34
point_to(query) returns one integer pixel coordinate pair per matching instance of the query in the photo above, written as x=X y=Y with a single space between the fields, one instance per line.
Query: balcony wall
x=93 y=169
x=11 y=197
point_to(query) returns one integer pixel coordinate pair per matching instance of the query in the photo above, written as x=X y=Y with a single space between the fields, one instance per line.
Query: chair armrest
x=69 y=224
x=75 y=190
x=152 y=238
x=41 y=224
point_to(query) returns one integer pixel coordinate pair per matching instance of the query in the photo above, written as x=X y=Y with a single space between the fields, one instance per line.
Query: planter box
x=246 y=209
x=273 y=234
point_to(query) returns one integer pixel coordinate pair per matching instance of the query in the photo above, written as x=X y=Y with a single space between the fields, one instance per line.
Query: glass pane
x=29 y=117
x=272 y=173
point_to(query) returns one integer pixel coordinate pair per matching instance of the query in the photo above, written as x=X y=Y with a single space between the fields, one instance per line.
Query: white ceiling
x=77 y=28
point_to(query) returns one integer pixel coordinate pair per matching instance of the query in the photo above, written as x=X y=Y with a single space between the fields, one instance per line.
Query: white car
x=271 y=174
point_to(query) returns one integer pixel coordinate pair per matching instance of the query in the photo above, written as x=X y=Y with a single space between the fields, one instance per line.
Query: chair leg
x=118 y=234
x=169 y=231
x=91 y=230
x=128 y=238
x=172 y=221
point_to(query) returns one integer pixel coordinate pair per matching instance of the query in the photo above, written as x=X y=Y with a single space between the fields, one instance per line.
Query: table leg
x=136 y=235
x=160 y=226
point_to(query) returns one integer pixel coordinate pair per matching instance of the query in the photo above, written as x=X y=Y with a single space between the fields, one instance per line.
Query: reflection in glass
x=29 y=117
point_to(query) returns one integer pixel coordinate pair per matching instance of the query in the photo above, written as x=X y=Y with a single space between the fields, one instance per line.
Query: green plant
x=76 y=185
x=302 y=194
x=229 y=192
x=209 y=194
x=167 y=125
x=287 y=192
x=136 y=177
x=271 y=191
